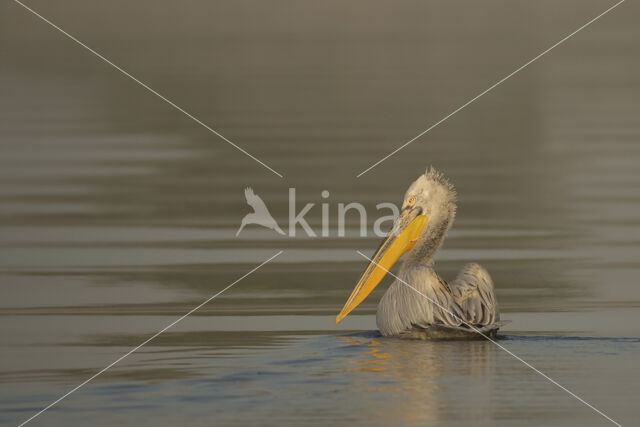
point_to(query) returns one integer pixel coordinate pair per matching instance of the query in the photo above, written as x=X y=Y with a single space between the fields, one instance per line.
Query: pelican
x=419 y=304
x=260 y=215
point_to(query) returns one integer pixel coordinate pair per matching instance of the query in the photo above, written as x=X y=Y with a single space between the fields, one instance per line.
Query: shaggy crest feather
x=434 y=175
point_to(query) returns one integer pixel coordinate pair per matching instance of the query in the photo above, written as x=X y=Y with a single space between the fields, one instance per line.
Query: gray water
x=118 y=213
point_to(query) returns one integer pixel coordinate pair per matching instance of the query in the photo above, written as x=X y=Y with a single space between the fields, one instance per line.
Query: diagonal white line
x=498 y=344
x=177 y=107
x=146 y=341
x=502 y=80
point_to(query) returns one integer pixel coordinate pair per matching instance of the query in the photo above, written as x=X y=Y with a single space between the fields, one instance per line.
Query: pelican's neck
x=429 y=243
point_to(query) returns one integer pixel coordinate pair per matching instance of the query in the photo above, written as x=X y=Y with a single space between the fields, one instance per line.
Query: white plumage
x=467 y=300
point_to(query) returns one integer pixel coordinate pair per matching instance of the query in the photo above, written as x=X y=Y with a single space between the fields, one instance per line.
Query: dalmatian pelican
x=419 y=304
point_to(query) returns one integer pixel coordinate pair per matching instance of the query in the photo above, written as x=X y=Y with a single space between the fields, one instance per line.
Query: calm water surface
x=118 y=213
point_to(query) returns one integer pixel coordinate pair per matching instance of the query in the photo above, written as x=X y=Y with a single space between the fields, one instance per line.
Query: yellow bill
x=391 y=249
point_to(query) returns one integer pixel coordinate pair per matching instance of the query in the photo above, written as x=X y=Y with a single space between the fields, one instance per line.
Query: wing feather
x=468 y=300
x=474 y=292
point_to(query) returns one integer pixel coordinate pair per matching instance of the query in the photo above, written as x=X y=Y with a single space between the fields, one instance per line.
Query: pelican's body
x=419 y=304
x=405 y=312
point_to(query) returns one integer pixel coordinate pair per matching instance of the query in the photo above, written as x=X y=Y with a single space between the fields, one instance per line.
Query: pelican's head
x=428 y=209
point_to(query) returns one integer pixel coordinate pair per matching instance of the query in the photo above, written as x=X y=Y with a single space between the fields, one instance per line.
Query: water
x=118 y=213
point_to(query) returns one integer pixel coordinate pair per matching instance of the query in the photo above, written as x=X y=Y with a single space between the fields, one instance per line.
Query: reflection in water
x=362 y=378
x=412 y=372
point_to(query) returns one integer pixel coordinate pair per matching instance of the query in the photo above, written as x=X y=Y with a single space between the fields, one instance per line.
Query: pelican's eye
x=411 y=201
